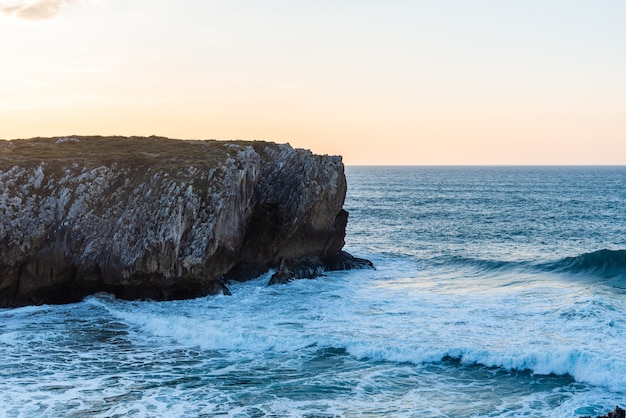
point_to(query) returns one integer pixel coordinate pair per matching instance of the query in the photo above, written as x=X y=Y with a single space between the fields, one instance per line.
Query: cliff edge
x=163 y=219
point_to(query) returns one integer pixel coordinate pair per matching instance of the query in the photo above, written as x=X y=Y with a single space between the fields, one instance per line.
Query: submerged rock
x=617 y=413
x=159 y=218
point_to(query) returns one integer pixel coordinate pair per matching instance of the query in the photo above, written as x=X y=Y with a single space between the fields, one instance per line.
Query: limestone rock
x=159 y=218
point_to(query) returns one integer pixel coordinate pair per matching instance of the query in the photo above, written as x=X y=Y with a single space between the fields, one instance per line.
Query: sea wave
x=483 y=265
x=250 y=339
x=603 y=263
x=582 y=365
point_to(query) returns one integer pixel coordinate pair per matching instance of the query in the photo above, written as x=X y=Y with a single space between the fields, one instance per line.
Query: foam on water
x=554 y=327
x=490 y=299
x=349 y=343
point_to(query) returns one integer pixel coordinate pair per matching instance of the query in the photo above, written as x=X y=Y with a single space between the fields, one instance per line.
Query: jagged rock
x=617 y=413
x=301 y=268
x=310 y=268
x=159 y=218
x=342 y=260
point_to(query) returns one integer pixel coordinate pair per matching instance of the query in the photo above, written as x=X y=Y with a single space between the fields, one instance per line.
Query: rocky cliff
x=162 y=219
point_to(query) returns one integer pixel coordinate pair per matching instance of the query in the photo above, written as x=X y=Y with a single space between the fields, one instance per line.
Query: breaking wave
x=580 y=364
x=604 y=263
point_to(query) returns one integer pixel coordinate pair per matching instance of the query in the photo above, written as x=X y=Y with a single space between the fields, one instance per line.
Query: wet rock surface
x=617 y=413
x=162 y=219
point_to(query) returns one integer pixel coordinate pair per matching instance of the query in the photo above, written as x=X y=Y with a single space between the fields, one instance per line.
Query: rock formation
x=617 y=413
x=163 y=219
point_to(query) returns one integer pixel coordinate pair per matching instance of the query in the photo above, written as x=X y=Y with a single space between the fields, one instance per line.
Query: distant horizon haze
x=395 y=83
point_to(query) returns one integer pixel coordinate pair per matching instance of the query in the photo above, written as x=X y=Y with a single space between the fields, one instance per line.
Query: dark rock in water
x=309 y=268
x=302 y=268
x=341 y=260
x=162 y=219
x=617 y=413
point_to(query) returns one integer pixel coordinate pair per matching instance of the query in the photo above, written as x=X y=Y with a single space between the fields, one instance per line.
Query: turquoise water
x=499 y=292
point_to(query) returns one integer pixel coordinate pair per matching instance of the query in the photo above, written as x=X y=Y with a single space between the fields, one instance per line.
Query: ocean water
x=498 y=292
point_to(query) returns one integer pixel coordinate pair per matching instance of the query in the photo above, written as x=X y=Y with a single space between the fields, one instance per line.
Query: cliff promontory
x=163 y=219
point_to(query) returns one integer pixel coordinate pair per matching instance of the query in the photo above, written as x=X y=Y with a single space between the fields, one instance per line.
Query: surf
x=602 y=263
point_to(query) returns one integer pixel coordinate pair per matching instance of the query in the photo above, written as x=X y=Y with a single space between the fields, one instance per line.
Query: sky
x=378 y=82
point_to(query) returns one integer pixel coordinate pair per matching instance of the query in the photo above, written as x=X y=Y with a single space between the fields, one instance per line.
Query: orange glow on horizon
x=376 y=83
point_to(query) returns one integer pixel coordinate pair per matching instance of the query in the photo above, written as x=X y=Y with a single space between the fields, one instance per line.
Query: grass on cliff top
x=155 y=152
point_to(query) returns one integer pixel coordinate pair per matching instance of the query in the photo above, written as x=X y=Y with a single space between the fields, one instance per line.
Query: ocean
x=498 y=292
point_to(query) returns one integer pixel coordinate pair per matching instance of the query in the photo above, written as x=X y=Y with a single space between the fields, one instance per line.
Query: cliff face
x=159 y=218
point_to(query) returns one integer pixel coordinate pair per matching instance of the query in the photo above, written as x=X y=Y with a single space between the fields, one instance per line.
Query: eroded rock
x=159 y=218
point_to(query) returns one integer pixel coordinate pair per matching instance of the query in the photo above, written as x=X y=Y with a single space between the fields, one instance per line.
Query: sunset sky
x=379 y=82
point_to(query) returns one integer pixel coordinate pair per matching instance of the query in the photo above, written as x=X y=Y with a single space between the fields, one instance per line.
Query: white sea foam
x=549 y=329
x=373 y=342
x=466 y=315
